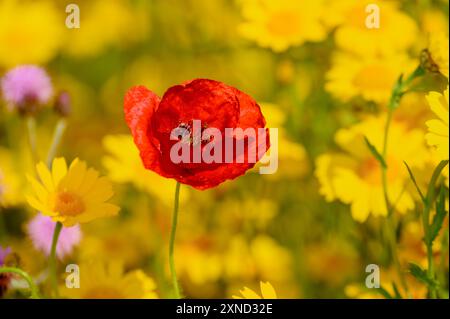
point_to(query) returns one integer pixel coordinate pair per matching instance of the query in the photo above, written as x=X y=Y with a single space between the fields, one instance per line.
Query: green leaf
x=411 y=175
x=375 y=153
x=384 y=293
x=396 y=291
x=421 y=275
x=434 y=177
x=396 y=93
x=438 y=218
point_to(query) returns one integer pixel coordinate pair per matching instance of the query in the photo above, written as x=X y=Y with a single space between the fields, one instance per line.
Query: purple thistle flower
x=41 y=229
x=26 y=87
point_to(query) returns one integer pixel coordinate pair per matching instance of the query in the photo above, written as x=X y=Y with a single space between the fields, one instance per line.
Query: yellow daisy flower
x=267 y=292
x=438 y=128
x=369 y=77
x=71 y=195
x=438 y=53
x=125 y=166
x=99 y=280
x=396 y=33
x=413 y=108
x=30 y=32
x=280 y=24
x=354 y=176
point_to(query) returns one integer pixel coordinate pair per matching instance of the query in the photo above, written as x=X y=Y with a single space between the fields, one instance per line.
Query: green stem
x=397 y=93
x=172 y=242
x=428 y=245
x=390 y=222
x=56 y=140
x=31 y=130
x=52 y=260
x=426 y=224
x=384 y=154
x=430 y=270
x=34 y=289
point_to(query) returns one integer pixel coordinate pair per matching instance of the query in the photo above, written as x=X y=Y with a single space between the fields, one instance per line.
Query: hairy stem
x=172 y=242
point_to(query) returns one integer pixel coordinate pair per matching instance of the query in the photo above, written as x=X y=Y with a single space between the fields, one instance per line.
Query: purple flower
x=40 y=230
x=3 y=253
x=26 y=86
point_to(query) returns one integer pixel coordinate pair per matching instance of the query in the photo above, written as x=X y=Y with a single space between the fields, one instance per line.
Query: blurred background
x=320 y=76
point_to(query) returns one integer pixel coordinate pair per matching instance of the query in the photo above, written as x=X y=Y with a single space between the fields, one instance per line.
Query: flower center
x=371 y=172
x=191 y=134
x=68 y=204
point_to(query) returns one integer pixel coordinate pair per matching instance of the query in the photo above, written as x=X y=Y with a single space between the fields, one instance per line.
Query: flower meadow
x=350 y=98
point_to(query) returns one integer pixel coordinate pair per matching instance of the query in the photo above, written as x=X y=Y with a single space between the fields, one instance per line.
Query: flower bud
x=63 y=105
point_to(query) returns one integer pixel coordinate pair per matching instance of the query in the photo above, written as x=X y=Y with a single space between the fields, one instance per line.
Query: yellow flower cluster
x=34 y=31
x=354 y=176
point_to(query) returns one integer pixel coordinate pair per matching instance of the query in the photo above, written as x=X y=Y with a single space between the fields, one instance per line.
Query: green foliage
x=439 y=217
x=375 y=153
x=421 y=274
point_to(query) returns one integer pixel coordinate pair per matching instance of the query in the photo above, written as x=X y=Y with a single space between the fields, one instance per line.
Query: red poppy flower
x=152 y=122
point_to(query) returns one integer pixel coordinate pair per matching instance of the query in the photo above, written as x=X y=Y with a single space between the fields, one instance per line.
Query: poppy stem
x=52 y=260
x=13 y=270
x=172 y=242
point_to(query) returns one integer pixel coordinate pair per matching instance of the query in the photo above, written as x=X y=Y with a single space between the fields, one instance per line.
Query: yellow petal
x=247 y=293
x=89 y=181
x=59 y=170
x=97 y=211
x=45 y=176
x=434 y=99
x=35 y=203
x=39 y=190
x=101 y=191
x=267 y=291
x=77 y=173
